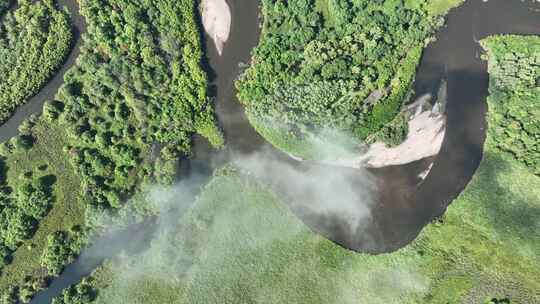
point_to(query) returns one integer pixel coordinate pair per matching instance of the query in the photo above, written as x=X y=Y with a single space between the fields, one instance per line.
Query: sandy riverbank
x=427 y=127
x=426 y=134
x=216 y=18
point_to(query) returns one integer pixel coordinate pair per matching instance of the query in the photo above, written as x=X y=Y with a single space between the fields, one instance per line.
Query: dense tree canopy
x=34 y=40
x=62 y=248
x=340 y=64
x=21 y=210
x=138 y=90
x=514 y=67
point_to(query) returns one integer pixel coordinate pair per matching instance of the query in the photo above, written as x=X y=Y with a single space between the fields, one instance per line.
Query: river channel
x=34 y=105
x=404 y=206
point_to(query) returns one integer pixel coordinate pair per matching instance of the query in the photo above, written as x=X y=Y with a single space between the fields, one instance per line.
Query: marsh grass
x=67 y=210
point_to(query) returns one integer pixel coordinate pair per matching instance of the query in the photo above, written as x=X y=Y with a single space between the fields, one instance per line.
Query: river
x=404 y=207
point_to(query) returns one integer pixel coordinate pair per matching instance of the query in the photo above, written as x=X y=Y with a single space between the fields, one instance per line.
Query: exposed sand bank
x=216 y=18
x=426 y=134
x=427 y=127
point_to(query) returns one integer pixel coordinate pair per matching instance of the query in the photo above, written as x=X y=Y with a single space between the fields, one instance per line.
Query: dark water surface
x=455 y=56
x=403 y=208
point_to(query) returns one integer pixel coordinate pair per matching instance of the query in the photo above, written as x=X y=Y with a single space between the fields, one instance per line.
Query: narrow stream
x=34 y=105
x=403 y=208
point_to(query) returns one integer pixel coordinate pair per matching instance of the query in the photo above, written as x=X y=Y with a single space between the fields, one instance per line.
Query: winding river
x=404 y=206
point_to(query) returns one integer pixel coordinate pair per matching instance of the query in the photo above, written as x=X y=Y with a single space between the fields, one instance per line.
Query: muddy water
x=34 y=105
x=403 y=207
x=223 y=71
x=454 y=56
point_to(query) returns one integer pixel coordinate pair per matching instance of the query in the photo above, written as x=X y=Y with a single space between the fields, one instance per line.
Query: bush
x=22 y=143
x=21 y=211
x=79 y=294
x=355 y=48
x=514 y=67
x=36 y=39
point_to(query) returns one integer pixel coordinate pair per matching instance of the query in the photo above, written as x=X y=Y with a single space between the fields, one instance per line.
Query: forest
x=345 y=65
x=135 y=98
x=514 y=99
x=35 y=38
x=124 y=118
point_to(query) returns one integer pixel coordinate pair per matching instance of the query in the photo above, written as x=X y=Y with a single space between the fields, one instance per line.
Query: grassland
x=438 y=7
x=240 y=244
x=67 y=210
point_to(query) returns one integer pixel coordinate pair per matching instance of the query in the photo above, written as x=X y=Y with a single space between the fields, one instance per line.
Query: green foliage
x=438 y=7
x=45 y=159
x=80 y=294
x=514 y=101
x=393 y=133
x=240 y=244
x=320 y=63
x=4 y=5
x=34 y=40
x=51 y=110
x=21 y=211
x=138 y=83
x=124 y=116
x=8 y=296
x=62 y=248
x=21 y=143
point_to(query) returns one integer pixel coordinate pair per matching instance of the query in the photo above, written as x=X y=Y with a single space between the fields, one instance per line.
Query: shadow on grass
x=512 y=214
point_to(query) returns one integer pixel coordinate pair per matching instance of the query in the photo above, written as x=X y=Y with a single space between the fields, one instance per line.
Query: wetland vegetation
x=123 y=117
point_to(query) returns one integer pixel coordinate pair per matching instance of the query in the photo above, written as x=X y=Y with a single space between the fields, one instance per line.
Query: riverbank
x=426 y=130
x=38 y=45
x=159 y=285
x=255 y=249
x=44 y=157
x=34 y=105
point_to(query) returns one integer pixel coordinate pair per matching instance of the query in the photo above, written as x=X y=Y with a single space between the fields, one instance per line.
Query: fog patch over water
x=189 y=239
x=226 y=240
x=330 y=194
